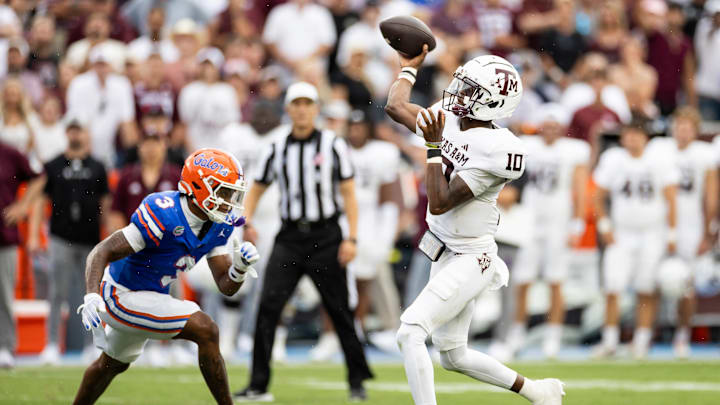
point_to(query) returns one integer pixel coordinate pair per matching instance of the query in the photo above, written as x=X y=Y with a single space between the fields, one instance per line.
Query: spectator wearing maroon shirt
x=152 y=174
x=121 y=29
x=14 y=170
x=457 y=19
x=670 y=52
x=589 y=122
x=237 y=20
x=155 y=91
x=45 y=50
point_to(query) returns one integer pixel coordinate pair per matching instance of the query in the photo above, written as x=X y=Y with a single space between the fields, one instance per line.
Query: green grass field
x=611 y=383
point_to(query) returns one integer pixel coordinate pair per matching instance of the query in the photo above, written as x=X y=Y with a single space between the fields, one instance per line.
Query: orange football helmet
x=215 y=180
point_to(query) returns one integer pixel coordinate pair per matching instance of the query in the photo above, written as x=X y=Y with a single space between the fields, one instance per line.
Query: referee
x=315 y=177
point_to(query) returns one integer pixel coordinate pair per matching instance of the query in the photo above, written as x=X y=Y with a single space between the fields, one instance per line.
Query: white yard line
x=458 y=388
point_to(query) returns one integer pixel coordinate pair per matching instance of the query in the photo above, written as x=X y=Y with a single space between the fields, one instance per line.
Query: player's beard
x=75 y=145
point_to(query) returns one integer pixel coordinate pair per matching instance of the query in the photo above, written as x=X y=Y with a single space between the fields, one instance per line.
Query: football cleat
x=251 y=395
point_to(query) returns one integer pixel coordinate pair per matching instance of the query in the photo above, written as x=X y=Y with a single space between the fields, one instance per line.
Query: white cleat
x=327 y=347
x=601 y=351
x=180 y=355
x=500 y=352
x=90 y=353
x=640 y=352
x=552 y=391
x=551 y=348
x=50 y=355
x=245 y=343
x=7 y=361
x=279 y=351
x=385 y=340
x=681 y=350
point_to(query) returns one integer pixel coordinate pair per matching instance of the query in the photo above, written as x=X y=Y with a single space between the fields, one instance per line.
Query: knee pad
x=451 y=360
x=410 y=334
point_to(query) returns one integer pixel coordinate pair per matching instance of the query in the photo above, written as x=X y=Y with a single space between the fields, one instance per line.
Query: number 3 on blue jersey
x=165 y=202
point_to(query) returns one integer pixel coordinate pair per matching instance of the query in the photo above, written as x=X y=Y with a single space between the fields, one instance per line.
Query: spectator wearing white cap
x=207 y=105
x=97 y=31
x=103 y=101
x=185 y=36
x=154 y=42
x=297 y=31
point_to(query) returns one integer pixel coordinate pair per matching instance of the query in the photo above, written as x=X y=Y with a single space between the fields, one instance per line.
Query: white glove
x=94 y=304
x=245 y=254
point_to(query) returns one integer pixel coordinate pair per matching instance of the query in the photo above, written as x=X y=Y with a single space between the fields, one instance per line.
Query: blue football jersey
x=170 y=244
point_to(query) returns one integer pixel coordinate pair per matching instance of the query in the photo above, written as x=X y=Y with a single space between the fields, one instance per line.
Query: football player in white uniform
x=697 y=205
x=469 y=161
x=557 y=174
x=641 y=184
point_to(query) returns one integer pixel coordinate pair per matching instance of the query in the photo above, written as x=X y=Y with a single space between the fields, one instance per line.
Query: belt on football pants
x=302 y=225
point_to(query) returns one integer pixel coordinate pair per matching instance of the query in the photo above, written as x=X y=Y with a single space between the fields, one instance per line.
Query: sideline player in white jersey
x=697 y=205
x=641 y=184
x=557 y=174
x=469 y=161
x=245 y=141
x=379 y=198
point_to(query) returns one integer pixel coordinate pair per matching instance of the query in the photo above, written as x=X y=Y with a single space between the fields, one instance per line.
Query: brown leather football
x=407 y=34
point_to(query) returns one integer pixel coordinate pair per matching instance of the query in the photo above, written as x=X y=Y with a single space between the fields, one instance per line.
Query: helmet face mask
x=225 y=200
x=463 y=94
x=485 y=89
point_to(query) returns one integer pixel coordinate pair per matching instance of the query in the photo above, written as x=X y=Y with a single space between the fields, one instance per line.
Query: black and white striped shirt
x=308 y=172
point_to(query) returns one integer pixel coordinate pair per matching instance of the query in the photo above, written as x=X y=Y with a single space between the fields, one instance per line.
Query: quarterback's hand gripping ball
x=245 y=254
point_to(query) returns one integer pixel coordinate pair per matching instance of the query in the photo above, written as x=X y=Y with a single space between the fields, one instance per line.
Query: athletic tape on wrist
x=409 y=69
x=436 y=159
x=407 y=76
x=431 y=153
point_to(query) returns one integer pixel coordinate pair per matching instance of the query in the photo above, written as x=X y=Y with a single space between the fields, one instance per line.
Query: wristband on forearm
x=434 y=156
x=408 y=73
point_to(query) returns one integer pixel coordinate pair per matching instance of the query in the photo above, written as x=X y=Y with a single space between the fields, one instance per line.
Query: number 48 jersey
x=170 y=244
x=636 y=185
x=486 y=159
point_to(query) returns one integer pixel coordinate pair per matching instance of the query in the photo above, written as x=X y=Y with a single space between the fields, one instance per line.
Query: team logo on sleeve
x=178 y=230
x=484 y=262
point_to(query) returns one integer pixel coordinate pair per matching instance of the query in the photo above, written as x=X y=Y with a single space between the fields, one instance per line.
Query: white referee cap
x=301 y=90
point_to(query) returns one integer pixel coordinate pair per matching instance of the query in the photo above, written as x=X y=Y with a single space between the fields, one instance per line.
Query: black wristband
x=353 y=240
x=431 y=153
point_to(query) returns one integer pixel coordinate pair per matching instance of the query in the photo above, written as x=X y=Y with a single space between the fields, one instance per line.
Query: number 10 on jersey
x=514 y=162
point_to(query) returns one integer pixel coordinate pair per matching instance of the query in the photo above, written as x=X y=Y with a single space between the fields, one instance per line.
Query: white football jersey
x=636 y=185
x=247 y=145
x=550 y=169
x=486 y=159
x=376 y=163
x=693 y=163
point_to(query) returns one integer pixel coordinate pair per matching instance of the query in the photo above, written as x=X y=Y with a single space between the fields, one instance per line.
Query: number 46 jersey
x=486 y=159
x=170 y=245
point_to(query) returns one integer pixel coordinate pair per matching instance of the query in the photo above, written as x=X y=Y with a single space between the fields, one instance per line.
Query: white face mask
x=225 y=202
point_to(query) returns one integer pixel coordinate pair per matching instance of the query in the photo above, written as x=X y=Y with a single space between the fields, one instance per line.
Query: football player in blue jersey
x=129 y=273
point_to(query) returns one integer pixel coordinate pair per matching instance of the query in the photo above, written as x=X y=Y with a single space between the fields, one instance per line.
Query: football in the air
x=407 y=34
